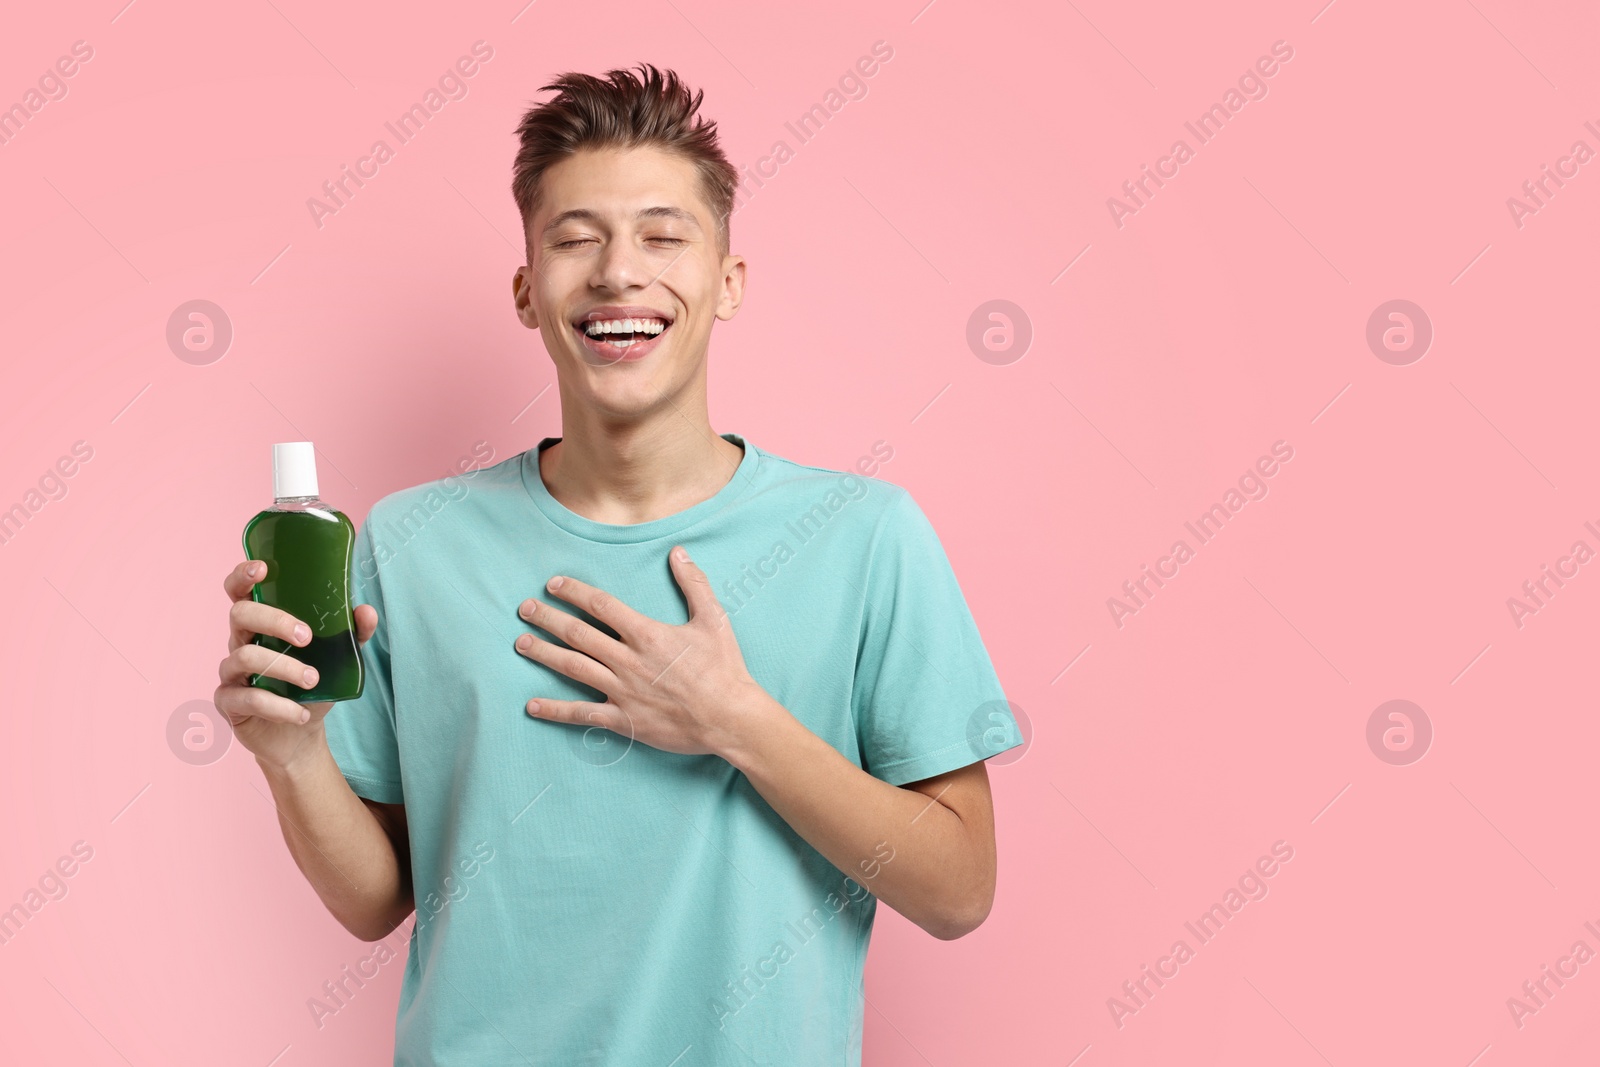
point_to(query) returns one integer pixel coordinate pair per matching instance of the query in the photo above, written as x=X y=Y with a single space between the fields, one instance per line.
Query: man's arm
x=927 y=850
x=941 y=830
x=355 y=852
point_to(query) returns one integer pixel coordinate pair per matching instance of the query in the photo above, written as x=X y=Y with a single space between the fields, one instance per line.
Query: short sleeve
x=926 y=698
x=360 y=732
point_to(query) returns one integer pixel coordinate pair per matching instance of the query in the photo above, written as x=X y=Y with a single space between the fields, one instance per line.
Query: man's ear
x=521 y=297
x=733 y=279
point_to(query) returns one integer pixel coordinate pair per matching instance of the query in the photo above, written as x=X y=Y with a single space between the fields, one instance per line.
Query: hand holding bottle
x=306 y=545
x=273 y=727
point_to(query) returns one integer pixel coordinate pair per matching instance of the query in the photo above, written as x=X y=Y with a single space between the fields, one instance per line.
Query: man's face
x=622 y=237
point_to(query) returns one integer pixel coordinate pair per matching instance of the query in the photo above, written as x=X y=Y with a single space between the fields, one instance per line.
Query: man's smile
x=622 y=333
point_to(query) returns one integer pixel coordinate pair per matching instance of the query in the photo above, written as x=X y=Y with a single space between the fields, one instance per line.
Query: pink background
x=1229 y=313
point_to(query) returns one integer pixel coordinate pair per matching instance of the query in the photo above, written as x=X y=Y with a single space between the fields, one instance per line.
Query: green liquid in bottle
x=307 y=546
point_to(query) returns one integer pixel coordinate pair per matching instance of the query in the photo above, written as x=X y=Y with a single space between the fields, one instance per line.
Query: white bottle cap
x=294 y=469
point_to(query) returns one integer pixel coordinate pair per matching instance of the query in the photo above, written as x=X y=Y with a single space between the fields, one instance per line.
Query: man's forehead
x=619 y=184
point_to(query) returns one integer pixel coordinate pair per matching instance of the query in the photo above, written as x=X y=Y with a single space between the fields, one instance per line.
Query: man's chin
x=620 y=391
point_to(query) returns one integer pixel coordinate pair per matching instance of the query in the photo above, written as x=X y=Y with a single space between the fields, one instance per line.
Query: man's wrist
x=753 y=718
x=304 y=760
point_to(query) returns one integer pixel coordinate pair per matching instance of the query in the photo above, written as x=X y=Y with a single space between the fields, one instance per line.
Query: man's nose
x=621 y=265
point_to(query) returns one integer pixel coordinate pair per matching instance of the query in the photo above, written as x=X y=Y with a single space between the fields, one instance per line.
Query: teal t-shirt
x=587 y=900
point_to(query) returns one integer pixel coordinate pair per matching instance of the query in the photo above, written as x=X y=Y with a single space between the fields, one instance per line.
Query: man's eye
x=574 y=241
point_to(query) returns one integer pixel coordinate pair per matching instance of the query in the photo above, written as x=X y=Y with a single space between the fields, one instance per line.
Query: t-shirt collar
x=635 y=533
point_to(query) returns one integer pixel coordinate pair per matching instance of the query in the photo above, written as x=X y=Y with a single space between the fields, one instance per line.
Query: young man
x=643 y=802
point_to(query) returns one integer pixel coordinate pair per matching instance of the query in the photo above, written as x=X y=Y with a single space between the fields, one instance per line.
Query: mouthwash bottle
x=306 y=546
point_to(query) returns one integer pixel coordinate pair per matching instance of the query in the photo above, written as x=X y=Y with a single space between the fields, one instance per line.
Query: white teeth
x=605 y=326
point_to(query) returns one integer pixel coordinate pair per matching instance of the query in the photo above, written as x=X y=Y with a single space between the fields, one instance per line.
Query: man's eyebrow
x=582 y=214
x=669 y=213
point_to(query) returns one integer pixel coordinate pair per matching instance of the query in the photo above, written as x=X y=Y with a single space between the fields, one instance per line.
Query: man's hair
x=621 y=110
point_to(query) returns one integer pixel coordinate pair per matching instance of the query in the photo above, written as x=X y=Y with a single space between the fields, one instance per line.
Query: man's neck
x=628 y=474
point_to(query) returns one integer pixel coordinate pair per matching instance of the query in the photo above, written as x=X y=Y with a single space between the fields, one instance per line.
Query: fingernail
x=305 y=715
x=254 y=570
x=533 y=707
x=311 y=677
x=527 y=609
x=524 y=643
x=301 y=634
x=683 y=555
x=555 y=583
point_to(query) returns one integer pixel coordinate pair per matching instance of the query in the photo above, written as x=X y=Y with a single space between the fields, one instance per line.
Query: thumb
x=366 y=617
x=695 y=585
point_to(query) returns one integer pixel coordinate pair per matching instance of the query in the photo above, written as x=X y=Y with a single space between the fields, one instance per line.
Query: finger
x=574 y=631
x=575 y=665
x=247 y=618
x=246 y=660
x=696 y=587
x=240 y=702
x=607 y=716
x=240 y=580
x=601 y=604
x=366 y=617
